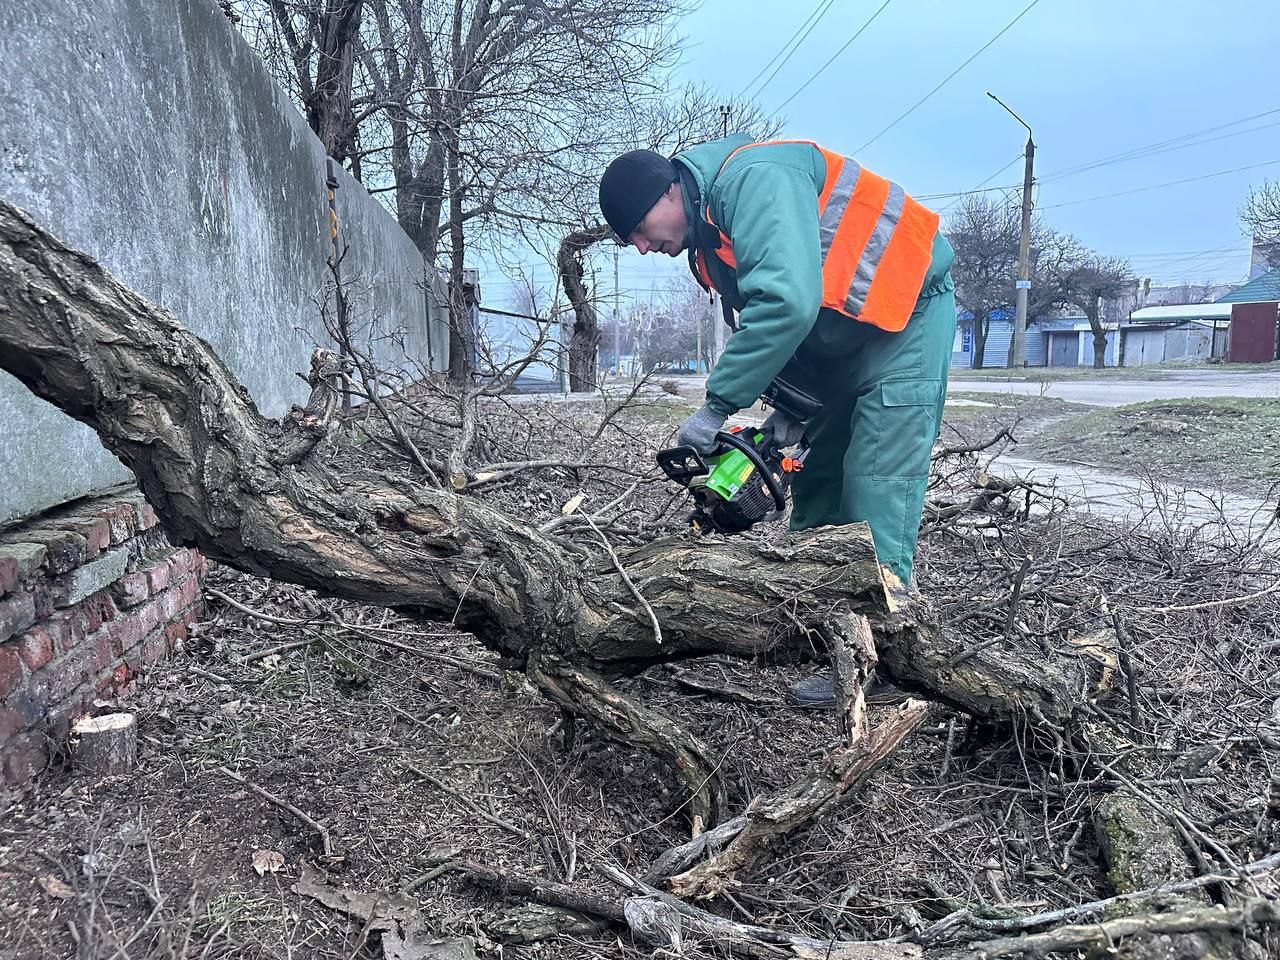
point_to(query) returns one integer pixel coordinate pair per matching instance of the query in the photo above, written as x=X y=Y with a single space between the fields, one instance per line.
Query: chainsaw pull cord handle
x=747 y=449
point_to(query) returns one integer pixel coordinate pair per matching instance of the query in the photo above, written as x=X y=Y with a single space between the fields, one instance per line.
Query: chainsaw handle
x=682 y=464
x=775 y=488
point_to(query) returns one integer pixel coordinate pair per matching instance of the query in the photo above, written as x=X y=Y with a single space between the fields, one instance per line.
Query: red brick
x=176 y=632
x=67 y=629
x=10 y=670
x=126 y=633
x=158 y=575
x=52 y=685
x=16 y=614
x=190 y=591
x=95 y=530
x=103 y=655
x=24 y=758
x=99 y=608
x=131 y=589
x=36 y=647
x=154 y=649
x=179 y=564
x=147 y=517
x=122 y=521
x=8 y=574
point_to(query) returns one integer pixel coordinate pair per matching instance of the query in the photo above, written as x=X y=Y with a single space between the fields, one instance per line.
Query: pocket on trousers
x=907 y=426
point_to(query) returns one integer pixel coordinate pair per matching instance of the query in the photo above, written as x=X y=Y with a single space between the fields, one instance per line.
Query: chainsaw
x=746 y=478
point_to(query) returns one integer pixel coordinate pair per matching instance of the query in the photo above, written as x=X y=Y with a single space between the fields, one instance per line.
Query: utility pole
x=1018 y=351
x=725 y=110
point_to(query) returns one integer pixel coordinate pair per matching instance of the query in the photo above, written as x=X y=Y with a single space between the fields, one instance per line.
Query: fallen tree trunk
x=243 y=489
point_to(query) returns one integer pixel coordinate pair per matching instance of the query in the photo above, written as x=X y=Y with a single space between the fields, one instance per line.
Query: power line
x=799 y=43
x=819 y=11
x=1007 y=27
x=1159 y=186
x=1151 y=149
x=1169 y=144
x=1143 y=154
x=818 y=72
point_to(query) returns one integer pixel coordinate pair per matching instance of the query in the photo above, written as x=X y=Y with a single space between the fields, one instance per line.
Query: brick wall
x=91 y=595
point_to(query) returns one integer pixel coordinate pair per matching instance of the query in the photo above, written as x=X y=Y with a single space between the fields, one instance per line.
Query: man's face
x=663 y=228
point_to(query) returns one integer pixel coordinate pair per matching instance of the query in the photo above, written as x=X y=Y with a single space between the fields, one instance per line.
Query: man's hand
x=700 y=430
x=787 y=431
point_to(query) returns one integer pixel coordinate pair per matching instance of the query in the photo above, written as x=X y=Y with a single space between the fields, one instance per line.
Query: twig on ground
x=285 y=805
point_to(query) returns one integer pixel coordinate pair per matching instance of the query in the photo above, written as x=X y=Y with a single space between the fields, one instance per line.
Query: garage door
x=1143 y=346
x=1064 y=349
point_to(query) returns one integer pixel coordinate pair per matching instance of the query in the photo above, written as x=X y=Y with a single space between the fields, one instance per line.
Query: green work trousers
x=872 y=440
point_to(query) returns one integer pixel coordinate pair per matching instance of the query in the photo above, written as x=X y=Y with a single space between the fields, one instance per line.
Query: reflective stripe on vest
x=876 y=242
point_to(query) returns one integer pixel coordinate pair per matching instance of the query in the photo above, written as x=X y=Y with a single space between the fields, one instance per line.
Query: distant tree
x=984 y=232
x=1089 y=283
x=1261 y=218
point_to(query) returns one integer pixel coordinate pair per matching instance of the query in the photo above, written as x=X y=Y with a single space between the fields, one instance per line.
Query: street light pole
x=1018 y=350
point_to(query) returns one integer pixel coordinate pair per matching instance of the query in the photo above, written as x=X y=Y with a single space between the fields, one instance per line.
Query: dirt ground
x=410 y=749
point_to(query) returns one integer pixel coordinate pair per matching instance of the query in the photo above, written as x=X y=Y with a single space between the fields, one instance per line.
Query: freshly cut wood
x=105 y=745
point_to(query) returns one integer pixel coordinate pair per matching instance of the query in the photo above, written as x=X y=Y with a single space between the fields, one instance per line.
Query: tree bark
x=329 y=105
x=107 y=745
x=584 y=343
x=242 y=488
x=981 y=324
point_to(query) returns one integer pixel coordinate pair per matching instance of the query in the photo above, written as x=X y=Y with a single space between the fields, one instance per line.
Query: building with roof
x=1255 y=307
x=1185 y=332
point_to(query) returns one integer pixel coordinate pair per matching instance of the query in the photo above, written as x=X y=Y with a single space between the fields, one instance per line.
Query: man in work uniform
x=841 y=285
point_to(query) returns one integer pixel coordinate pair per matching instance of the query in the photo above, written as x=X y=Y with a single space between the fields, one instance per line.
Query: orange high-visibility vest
x=876 y=242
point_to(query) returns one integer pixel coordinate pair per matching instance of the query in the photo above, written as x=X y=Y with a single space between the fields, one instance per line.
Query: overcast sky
x=1093 y=78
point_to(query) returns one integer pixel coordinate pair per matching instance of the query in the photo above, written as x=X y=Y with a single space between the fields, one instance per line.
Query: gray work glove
x=787 y=431
x=700 y=430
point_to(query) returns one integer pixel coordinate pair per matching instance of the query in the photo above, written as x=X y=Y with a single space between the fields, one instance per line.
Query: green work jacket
x=766 y=202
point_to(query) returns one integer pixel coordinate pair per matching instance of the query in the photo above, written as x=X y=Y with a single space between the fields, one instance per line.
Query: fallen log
x=246 y=491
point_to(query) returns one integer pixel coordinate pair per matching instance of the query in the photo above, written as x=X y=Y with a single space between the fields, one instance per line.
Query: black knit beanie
x=631 y=185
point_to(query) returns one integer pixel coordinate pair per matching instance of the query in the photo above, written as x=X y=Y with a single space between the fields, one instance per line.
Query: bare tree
x=310 y=46
x=1094 y=280
x=1260 y=216
x=483 y=120
x=584 y=342
x=984 y=232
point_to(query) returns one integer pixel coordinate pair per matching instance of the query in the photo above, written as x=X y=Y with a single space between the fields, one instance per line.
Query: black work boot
x=819 y=691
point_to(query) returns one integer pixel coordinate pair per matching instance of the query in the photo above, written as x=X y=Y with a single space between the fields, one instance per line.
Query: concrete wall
x=147 y=133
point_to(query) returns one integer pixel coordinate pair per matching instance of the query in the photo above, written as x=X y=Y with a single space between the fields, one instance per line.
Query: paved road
x=1107 y=392
x=1160 y=504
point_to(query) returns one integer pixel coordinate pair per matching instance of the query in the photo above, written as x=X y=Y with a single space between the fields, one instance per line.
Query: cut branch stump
x=106 y=745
